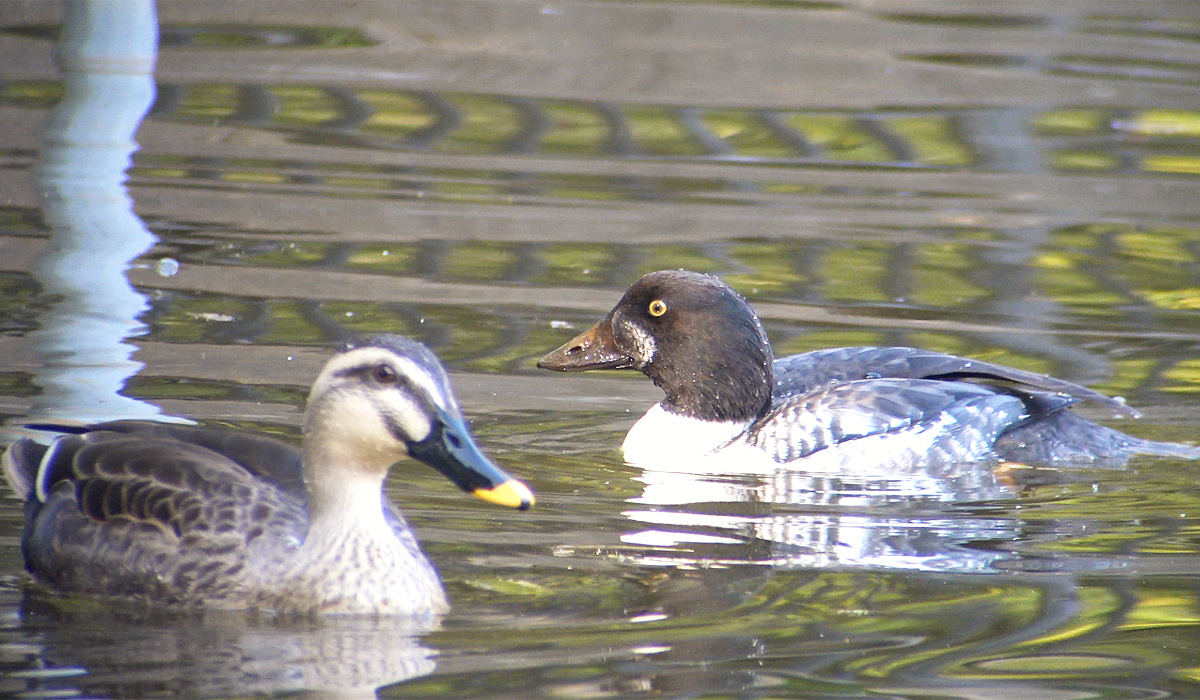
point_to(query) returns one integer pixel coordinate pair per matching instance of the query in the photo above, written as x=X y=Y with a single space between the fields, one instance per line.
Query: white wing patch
x=40 y=487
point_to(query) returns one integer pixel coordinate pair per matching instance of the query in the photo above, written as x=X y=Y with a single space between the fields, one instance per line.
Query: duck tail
x=1067 y=438
x=1165 y=449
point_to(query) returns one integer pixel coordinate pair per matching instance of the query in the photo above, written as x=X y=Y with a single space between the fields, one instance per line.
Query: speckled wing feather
x=802 y=373
x=271 y=460
x=147 y=516
x=838 y=414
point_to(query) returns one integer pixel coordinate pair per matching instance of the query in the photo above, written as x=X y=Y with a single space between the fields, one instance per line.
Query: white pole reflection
x=107 y=53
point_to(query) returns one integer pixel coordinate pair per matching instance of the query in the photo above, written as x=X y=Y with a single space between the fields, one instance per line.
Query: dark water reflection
x=1018 y=183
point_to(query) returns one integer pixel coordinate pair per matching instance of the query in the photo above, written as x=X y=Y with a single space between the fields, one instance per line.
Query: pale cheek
x=358 y=429
x=367 y=420
x=643 y=344
x=412 y=420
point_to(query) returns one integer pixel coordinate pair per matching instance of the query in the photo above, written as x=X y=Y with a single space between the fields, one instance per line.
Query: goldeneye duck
x=843 y=409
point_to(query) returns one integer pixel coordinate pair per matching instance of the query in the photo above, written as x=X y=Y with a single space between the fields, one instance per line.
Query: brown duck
x=201 y=517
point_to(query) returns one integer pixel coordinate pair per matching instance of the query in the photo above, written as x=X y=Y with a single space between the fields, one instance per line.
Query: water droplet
x=166 y=267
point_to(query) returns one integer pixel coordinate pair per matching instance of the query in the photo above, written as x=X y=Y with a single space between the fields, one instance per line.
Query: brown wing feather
x=269 y=459
x=149 y=516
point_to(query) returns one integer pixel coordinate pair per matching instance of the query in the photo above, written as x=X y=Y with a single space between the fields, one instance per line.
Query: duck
x=840 y=410
x=214 y=518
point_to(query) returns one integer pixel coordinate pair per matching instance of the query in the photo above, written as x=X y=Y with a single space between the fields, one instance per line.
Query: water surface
x=1016 y=182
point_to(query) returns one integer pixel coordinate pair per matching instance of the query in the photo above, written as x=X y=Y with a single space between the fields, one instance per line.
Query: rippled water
x=1013 y=181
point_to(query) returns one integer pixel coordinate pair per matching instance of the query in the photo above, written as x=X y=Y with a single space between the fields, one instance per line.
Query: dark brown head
x=690 y=333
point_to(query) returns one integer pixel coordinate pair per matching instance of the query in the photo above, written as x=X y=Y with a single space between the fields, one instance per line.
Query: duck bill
x=593 y=349
x=450 y=449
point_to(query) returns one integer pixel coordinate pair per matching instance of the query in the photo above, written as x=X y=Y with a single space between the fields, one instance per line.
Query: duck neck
x=737 y=390
x=661 y=436
x=344 y=490
x=352 y=560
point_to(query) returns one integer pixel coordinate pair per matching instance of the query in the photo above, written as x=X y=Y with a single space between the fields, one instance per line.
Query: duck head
x=696 y=338
x=382 y=398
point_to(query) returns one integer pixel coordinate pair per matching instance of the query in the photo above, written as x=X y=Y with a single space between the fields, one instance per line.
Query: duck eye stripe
x=418 y=378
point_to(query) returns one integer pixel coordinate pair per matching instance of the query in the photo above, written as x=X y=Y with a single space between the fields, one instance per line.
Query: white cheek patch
x=643 y=344
x=351 y=418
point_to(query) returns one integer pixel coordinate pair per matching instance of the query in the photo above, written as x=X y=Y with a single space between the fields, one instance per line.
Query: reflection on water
x=107 y=54
x=897 y=522
x=1021 y=185
x=111 y=651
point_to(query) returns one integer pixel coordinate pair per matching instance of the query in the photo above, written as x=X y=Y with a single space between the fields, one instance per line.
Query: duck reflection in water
x=122 y=649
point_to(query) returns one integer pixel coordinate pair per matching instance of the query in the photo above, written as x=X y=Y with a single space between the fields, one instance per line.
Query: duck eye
x=658 y=307
x=384 y=374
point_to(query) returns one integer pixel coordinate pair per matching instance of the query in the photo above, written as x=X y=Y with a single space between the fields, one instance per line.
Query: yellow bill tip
x=511 y=493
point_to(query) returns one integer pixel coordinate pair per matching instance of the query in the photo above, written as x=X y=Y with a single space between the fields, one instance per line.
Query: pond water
x=1018 y=182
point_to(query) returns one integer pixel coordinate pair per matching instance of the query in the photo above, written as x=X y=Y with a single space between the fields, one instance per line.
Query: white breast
x=663 y=437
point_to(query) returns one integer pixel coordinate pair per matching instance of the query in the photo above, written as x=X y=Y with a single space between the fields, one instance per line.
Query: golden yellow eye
x=658 y=307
